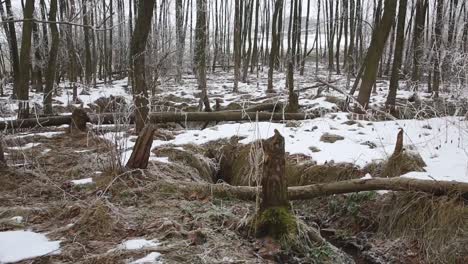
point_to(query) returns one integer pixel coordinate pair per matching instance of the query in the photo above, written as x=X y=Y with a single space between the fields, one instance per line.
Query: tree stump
x=79 y=119
x=141 y=150
x=274 y=218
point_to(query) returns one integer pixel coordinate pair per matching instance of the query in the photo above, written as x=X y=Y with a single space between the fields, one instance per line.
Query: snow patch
x=151 y=258
x=20 y=245
x=138 y=243
x=160 y=159
x=82 y=181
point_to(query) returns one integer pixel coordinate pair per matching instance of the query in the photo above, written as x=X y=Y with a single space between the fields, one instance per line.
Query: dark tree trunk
x=25 y=62
x=138 y=47
x=13 y=48
x=398 y=54
x=374 y=52
x=438 y=47
x=180 y=38
x=306 y=40
x=418 y=34
x=52 y=63
x=87 y=44
x=237 y=44
x=274 y=50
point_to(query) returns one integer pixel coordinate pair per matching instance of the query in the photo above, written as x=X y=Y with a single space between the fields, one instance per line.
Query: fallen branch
x=318 y=190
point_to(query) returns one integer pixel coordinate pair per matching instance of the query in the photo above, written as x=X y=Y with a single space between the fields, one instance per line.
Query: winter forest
x=234 y=131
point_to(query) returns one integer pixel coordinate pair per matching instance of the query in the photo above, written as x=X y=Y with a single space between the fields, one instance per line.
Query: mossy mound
x=403 y=163
x=277 y=222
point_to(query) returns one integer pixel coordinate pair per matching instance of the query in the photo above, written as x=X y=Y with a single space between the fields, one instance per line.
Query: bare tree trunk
x=200 y=42
x=398 y=54
x=36 y=79
x=52 y=63
x=25 y=62
x=274 y=50
x=374 y=52
x=138 y=47
x=13 y=49
x=304 y=55
x=237 y=44
x=88 y=60
x=255 y=60
x=180 y=39
x=418 y=34
x=438 y=47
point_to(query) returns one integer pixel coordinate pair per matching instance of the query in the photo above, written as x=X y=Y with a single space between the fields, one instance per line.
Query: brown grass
x=438 y=224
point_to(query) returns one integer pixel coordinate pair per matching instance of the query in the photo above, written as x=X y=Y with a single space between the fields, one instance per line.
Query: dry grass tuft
x=310 y=173
x=438 y=224
x=401 y=164
x=96 y=222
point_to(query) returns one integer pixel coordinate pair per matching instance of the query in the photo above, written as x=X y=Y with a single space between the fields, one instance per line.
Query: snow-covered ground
x=442 y=142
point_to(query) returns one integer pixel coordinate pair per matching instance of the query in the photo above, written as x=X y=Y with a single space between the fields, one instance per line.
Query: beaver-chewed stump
x=141 y=151
x=274 y=218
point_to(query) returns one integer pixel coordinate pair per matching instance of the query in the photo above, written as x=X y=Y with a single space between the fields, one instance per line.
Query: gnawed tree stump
x=78 y=121
x=274 y=218
x=141 y=150
x=399 y=144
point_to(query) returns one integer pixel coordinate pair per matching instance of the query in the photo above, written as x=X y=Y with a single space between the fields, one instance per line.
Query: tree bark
x=398 y=54
x=274 y=50
x=374 y=52
x=25 y=62
x=87 y=44
x=237 y=44
x=200 y=42
x=52 y=64
x=138 y=47
x=142 y=149
x=438 y=47
x=13 y=48
x=274 y=184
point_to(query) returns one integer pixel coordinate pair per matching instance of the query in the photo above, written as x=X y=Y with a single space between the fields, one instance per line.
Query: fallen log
x=165 y=117
x=36 y=122
x=159 y=117
x=319 y=190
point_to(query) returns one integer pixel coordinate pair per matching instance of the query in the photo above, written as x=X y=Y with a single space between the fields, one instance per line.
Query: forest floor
x=64 y=199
